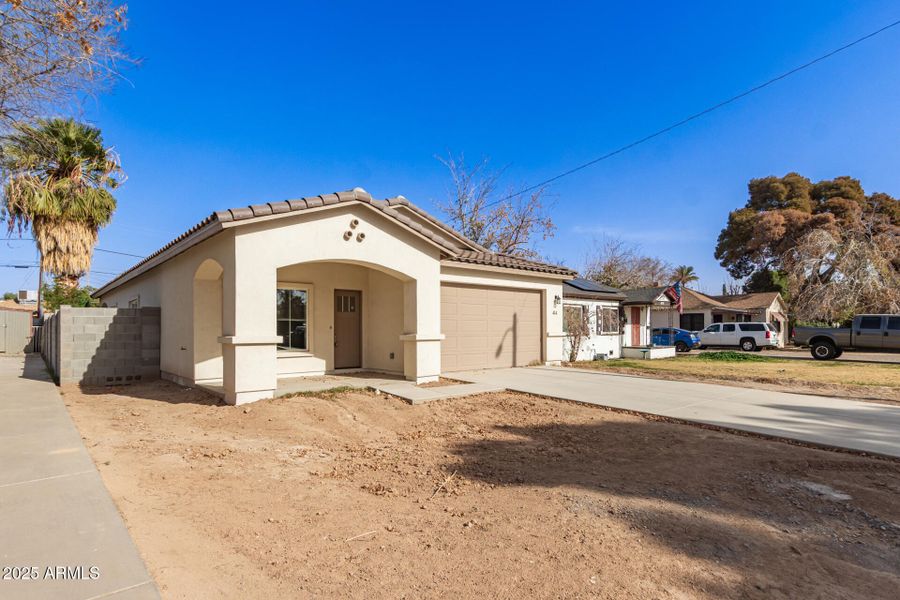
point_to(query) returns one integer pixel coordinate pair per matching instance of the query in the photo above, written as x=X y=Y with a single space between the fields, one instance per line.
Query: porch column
x=249 y=341
x=422 y=329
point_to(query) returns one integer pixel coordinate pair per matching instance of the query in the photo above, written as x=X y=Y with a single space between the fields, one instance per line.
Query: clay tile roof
x=451 y=241
x=509 y=262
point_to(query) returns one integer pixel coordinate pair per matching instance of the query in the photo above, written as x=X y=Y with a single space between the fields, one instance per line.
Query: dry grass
x=852 y=380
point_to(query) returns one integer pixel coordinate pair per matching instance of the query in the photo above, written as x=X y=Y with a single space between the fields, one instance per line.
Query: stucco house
x=338 y=282
x=597 y=306
x=700 y=310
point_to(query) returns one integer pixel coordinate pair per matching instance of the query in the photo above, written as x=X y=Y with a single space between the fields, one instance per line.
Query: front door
x=347 y=329
x=635 y=326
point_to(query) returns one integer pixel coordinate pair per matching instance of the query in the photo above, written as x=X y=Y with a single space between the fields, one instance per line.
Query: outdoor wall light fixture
x=557 y=300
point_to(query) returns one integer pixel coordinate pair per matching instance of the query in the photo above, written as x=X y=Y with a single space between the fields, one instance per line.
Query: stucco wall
x=171 y=287
x=595 y=344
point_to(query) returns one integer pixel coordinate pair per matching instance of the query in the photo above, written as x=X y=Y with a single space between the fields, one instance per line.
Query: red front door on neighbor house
x=635 y=326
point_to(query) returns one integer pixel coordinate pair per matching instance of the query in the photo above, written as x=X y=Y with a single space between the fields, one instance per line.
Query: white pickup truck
x=746 y=336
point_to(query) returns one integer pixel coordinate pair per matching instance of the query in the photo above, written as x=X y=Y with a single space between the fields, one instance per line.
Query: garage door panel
x=489 y=327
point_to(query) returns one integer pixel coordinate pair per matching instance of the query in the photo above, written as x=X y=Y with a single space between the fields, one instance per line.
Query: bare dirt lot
x=863 y=381
x=355 y=495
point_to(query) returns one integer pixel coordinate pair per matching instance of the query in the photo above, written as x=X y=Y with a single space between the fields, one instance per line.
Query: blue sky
x=252 y=102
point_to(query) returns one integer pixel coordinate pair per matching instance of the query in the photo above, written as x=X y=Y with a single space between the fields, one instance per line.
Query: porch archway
x=207 y=321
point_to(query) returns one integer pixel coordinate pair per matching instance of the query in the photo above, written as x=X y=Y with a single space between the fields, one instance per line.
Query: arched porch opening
x=340 y=315
x=207 y=322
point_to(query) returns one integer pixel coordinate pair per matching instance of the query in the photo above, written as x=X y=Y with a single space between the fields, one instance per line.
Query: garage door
x=487 y=327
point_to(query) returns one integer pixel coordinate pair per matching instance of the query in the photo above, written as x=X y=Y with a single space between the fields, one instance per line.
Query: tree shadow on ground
x=732 y=501
x=158 y=390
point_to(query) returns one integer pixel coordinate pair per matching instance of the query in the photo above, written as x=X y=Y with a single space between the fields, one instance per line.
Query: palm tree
x=684 y=275
x=59 y=179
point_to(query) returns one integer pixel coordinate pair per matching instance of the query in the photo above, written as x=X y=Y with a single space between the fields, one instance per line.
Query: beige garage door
x=487 y=327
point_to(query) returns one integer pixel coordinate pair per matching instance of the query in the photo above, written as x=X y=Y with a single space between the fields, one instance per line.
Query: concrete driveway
x=863 y=426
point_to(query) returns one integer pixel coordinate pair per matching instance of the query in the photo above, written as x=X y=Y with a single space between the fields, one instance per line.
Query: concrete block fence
x=102 y=346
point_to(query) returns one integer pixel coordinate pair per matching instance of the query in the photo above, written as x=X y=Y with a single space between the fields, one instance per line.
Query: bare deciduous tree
x=510 y=226
x=52 y=50
x=613 y=261
x=832 y=276
x=576 y=324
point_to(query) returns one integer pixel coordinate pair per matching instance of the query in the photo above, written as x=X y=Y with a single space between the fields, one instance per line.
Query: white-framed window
x=574 y=317
x=607 y=320
x=292 y=316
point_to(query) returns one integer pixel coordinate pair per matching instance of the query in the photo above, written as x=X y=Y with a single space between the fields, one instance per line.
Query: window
x=692 y=321
x=712 y=329
x=870 y=323
x=752 y=327
x=894 y=323
x=573 y=319
x=728 y=328
x=717 y=318
x=135 y=302
x=291 y=314
x=607 y=320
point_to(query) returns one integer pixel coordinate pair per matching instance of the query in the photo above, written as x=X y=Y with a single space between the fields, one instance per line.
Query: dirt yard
x=356 y=495
x=864 y=381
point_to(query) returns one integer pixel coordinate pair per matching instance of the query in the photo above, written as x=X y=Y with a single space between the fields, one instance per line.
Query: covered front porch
x=308 y=320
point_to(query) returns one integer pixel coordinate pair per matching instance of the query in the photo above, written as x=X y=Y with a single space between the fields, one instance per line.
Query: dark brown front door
x=347 y=329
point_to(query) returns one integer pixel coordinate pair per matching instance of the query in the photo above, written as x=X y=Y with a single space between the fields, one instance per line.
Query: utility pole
x=39 y=295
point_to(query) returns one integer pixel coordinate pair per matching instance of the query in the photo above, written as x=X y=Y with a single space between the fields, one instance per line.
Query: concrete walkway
x=863 y=426
x=54 y=509
x=396 y=386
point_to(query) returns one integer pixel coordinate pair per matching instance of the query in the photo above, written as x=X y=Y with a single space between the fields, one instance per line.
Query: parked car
x=869 y=332
x=746 y=336
x=682 y=339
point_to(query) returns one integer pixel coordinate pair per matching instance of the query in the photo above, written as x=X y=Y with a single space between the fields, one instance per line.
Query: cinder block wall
x=106 y=346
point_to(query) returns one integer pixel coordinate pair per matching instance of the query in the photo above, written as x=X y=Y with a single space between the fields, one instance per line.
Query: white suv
x=748 y=336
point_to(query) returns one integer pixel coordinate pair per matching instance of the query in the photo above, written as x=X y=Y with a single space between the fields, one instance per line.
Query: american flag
x=674 y=292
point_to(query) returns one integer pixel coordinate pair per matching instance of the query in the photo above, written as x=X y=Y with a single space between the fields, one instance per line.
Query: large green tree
x=764 y=240
x=59 y=183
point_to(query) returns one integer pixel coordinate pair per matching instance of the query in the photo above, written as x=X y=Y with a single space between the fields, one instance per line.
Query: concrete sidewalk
x=55 y=512
x=835 y=422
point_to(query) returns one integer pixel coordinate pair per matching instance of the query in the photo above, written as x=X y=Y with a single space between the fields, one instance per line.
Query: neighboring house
x=597 y=306
x=642 y=308
x=768 y=307
x=700 y=310
x=15 y=306
x=339 y=282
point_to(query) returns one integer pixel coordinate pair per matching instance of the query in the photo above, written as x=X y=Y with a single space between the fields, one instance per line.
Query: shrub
x=732 y=356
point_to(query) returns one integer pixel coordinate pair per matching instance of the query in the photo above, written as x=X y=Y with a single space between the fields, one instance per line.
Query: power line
x=38 y=266
x=694 y=116
x=97 y=249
